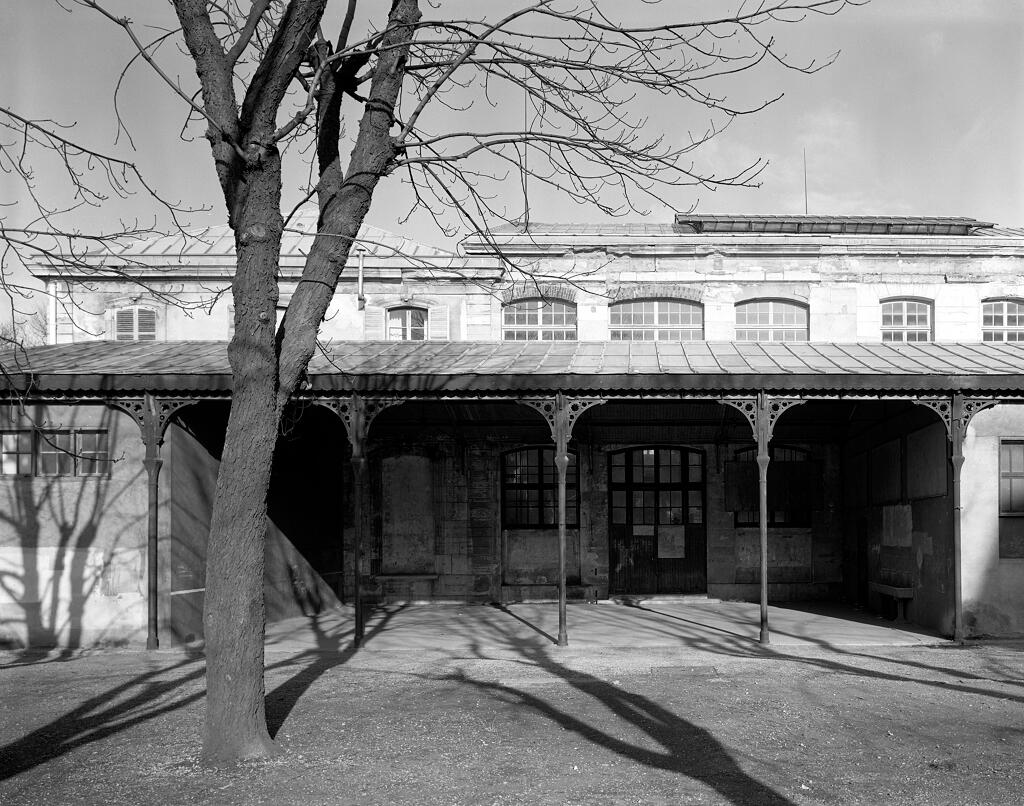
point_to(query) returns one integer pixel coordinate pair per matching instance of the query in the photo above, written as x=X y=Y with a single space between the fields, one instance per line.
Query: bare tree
x=272 y=85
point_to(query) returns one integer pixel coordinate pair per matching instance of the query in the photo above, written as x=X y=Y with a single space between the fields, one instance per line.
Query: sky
x=922 y=113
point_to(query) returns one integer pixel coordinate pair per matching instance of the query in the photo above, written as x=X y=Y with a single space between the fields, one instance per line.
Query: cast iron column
x=356 y=414
x=152 y=415
x=561 y=414
x=763 y=458
x=762 y=413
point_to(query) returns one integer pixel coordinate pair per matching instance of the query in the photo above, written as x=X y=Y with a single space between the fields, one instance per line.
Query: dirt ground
x=910 y=725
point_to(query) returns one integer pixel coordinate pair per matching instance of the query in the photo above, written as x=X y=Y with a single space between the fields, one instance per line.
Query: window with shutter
x=407 y=324
x=135 y=324
x=437 y=323
x=373 y=323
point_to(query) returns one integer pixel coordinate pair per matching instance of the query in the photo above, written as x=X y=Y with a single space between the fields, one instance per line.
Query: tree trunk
x=234 y=616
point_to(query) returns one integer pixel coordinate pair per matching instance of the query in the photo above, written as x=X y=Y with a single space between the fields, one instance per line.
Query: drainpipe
x=51 y=315
x=360 y=298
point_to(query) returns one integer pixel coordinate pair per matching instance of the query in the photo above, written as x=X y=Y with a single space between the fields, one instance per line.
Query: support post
x=762 y=413
x=956 y=414
x=152 y=415
x=763 y=458
x=357 y=414
x=359 y=487
x=153 y=463
x=562 y=463
x=561 y=414
x=957 y=460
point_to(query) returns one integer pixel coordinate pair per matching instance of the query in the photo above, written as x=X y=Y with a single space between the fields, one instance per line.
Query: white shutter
x=124 y=324
x=373 y=323
x=146 y=324
x=437 y=323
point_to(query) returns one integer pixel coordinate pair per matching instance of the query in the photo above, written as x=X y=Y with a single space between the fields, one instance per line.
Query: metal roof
x=452 y=368
x=827 y=225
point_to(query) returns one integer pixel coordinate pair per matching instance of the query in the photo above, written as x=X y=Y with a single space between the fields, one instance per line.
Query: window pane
x=645 y=320
x=530 y=489
x=771 y=320
x=905 y=320
x=1002 y=320
x=539 y=320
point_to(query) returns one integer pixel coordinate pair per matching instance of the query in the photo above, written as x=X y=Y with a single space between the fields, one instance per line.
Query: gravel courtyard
x=519 y=721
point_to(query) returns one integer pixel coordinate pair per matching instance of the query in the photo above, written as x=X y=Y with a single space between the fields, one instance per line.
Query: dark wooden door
x=657 y=535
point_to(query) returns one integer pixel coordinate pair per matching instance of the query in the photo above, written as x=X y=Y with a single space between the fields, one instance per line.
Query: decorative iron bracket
x=956 y=412
x=561 y=412
x=773 y=408
x=357 y=415
x=152 y=414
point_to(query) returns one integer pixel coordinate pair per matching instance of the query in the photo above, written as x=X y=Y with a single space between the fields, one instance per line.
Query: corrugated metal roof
x=832 y=224
x=637 y=229
x=521 y=367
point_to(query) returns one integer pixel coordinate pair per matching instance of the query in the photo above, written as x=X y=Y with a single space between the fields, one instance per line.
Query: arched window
x=906 y=320
x=1002 y=320
x=771 y=320
x=529 y=489
x=407 y=324
x=791 y=487
x=656 y=320
x=134 y=324
x=539 y=320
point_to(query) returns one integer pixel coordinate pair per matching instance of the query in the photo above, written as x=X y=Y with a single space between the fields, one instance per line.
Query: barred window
x=771 y=320
x=657 y=320
x=539 y=320
x=1002 y=320
x=529 y=489
x=135 y=324
x=906 y=320
x=407 y=324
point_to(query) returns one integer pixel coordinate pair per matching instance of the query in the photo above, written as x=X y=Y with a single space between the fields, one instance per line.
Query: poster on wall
x=671 y=542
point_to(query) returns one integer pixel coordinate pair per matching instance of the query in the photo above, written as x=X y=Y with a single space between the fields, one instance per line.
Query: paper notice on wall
x=897 y=525
x=671 y=542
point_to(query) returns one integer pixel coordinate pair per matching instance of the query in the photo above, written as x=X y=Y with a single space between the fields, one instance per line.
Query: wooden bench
x=901 y=595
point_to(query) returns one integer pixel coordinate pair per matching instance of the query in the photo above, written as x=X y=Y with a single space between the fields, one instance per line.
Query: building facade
x=878 y=357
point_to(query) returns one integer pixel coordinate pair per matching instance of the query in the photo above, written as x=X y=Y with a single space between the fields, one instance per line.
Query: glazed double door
x=657 y=533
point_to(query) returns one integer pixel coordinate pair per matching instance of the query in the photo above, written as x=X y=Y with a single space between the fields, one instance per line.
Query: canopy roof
x=816 y=224
x=514 y=368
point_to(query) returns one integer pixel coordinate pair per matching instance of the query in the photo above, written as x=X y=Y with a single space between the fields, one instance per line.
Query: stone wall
x=73 y=548
x=993 y=570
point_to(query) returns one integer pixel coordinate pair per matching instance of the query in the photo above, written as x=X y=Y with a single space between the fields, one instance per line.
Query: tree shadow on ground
x=681 y=747
x=138 y=700
x=332 y=649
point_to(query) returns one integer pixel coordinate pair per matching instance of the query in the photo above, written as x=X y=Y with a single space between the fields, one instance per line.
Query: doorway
x=657 y=531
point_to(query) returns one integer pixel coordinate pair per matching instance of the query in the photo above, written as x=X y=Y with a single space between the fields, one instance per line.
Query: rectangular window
x=529 y=489
x=1002 y=320
x=54 y=452
x=793 y=488
x=93 y=454
x=16 y=453
x=906 y=320
x=1011 y=499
